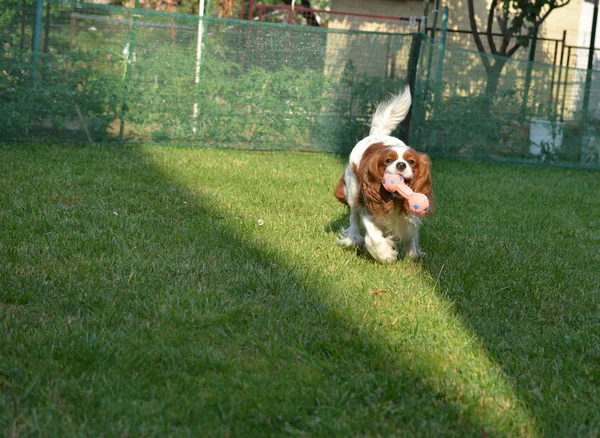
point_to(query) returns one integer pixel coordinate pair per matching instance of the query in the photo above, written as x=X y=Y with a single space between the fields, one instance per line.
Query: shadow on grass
x=335 y=227
x=524 y=280
x=521 y=267
x=293 y=363
x=159 y=315
x=337 y=224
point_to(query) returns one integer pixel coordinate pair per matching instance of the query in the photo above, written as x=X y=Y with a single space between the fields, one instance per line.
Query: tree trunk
x=494 y=73
x=493 y=76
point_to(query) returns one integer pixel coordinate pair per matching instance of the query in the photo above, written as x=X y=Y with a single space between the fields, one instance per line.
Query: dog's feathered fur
x=390 y=114
x=385 y=217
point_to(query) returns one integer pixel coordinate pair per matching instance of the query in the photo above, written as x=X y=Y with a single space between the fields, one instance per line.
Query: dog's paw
x=350 y=239
x=382 y=251
x=416 y=255
x=391 y=257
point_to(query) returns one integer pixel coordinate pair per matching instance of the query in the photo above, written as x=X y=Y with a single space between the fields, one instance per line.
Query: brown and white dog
x=385 y=216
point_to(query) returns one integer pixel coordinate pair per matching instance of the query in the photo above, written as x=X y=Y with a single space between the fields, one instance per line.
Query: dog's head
x=378 y=158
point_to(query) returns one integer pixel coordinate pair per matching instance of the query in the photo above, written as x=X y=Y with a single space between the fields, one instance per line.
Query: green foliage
x=581 y=140
x=239 y=103
x=456 y=126
x=12 y=13
x=243 y=99
x=357 y=95
x=37 y=102
x=264 y=87
x=527 y=15
x=72 y=93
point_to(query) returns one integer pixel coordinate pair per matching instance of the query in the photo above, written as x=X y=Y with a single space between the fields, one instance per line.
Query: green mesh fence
x=490 y=108
x=107 y=73
x=110 y=74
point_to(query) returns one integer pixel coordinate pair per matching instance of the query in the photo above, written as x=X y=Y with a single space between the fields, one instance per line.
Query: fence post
x=590 y=65
x=128 y=70
x=564 y=96
x=562 y=49
x=533 y=45
x=593 y=36
x=560 y=69
x=37 y=35
x=528 y=74
x=430 y=49
x=413 y=64
x=588 y=76
x=437 y=97
x=250 y=10
x=435 y=17
x=551 y=100
x=47 y=29
x=425 y=15
x=23 y=13
x=198 y=62
x=442 y=50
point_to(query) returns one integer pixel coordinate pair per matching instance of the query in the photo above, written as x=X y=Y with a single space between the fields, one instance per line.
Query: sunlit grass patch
x=172 y=290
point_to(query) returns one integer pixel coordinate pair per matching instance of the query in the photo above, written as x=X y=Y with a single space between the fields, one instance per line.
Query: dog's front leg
x=379 y=246
x=351 y=236
x=411 y=244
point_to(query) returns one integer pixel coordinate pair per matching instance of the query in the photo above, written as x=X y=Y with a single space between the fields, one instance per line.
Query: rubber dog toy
x=417 y=202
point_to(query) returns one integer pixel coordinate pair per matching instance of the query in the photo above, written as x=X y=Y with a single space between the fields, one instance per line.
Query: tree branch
x=513 y=49
x=506 y=35
x=552 y=6
x=473 y=24
x=502 y=21
x=490 y=22
x=475 y=33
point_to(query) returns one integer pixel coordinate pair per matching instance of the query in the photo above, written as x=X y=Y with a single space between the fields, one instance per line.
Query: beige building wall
x=575 y=19
x=397 y=8
x=371 y=53
x=567 y=18
x=457 y=18
x=408 y=8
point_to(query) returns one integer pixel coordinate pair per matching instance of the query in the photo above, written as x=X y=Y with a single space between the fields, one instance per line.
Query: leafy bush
x=356 y=96
x=460 y=124
x=581 y=140
x=69 y=94
x=60 y=98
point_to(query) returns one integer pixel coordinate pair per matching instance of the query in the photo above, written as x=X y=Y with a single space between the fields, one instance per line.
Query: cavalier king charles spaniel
x=385 y=216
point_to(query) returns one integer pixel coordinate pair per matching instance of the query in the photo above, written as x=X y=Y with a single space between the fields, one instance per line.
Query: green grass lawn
x=139 y=296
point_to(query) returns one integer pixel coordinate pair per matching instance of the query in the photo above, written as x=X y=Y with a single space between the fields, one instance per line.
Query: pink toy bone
x=417 y=202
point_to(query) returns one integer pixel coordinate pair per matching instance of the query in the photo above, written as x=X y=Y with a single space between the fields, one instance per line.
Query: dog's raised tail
x=389 y=114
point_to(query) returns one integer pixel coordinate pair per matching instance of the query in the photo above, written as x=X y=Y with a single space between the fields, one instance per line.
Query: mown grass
x=140 y=296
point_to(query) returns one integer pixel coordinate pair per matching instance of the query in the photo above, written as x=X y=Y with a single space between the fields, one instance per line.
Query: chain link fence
x=107 y=74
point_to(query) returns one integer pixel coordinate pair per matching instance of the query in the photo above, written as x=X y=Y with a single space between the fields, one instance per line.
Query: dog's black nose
x=400 y=166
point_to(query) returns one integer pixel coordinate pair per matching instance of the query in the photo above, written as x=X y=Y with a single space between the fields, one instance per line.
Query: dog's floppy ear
x=375 y=198
x=339 y=191
x=422 y=171
x=422 y=180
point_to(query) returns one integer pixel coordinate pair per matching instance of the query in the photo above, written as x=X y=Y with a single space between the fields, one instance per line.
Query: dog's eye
x=411 y=162
x=389 y=161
